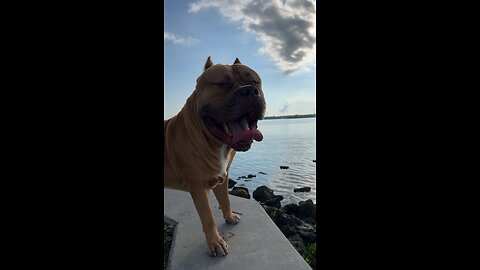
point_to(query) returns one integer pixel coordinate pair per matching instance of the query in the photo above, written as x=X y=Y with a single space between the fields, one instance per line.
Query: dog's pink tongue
x=242 y=132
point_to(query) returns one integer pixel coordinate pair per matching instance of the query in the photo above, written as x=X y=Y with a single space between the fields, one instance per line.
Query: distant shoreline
x=290 y=116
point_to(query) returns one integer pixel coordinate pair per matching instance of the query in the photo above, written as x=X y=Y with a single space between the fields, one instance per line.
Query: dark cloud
x=301 y=4
x=285 y=29
x=289 y=33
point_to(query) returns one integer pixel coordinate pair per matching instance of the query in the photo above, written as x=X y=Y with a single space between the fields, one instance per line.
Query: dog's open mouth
x=239 y=133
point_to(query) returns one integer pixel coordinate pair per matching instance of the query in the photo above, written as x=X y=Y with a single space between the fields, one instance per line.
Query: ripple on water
x=287 y=142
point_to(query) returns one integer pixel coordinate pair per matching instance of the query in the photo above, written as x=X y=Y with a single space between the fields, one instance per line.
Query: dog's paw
x=232 y=218
x=217 y=246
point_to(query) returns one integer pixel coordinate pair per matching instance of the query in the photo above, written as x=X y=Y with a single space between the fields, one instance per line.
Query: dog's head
x=230 y=102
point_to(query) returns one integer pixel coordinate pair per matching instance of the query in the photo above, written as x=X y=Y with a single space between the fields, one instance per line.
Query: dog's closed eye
x=224 y=84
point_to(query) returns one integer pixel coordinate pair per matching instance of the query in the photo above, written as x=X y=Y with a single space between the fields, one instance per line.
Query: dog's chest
x=223 y=161
x=221 y=175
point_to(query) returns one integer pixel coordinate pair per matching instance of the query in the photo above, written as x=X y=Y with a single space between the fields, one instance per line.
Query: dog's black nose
x=248 y=90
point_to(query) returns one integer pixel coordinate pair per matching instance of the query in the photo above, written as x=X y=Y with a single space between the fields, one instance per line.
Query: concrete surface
x=255 y=242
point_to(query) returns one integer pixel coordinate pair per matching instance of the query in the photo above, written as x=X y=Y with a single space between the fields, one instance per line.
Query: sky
x=275 y=38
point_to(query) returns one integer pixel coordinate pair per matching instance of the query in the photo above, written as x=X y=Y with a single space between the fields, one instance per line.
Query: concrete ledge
x=255 y=242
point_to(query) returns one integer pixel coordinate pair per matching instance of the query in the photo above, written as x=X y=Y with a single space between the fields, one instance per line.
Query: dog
x=218 y=119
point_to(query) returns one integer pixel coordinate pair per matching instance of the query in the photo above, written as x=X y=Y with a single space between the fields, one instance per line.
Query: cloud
x=284 y=109
x=285 y=29
x=300 y=103
x=179 y=40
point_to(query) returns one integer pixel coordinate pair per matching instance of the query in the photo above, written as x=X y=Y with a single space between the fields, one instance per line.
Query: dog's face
x=230 y=102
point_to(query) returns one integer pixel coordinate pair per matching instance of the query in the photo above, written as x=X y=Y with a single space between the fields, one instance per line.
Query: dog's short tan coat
x=194 y=159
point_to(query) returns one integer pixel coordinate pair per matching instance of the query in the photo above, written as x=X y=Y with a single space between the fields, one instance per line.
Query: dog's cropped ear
x=208 y=64
x=237 y=61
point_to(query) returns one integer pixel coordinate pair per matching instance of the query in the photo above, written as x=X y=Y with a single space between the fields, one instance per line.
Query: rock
x=283 y=219
x=240 y=192
x=290 y=225
x=263 y=194
x=303 y=189
x=297 y=243
x=287 y=230
x=246 y=176
x=283 y=167
x=291 y=209
x=311 y=221
x=307 y=211
x=299 y=233
x=272 y=212
x=307 y=232
x=231 y=183
x=275 y=202
x=308 y=236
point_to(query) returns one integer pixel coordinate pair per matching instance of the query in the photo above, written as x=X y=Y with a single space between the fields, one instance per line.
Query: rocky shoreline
x=296 y=221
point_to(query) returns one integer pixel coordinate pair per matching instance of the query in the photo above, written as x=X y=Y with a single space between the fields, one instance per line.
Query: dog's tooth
x=226 y=129
x=244 y=123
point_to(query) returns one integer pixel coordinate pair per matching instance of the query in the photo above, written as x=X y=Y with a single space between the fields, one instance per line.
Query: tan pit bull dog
x=219 y=118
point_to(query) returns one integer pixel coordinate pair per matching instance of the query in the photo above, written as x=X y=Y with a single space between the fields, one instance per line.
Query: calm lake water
x=286 y=142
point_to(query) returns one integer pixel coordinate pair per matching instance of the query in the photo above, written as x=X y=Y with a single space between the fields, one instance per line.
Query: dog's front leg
x=221 y=193
x=216 y=245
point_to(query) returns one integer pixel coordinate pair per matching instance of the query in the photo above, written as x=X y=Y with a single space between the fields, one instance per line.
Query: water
x=286 y=142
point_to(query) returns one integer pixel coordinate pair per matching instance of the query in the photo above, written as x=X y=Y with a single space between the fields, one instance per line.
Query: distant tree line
x=291 y=116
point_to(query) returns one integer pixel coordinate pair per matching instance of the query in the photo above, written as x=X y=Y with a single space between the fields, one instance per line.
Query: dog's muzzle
x=239 y=131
